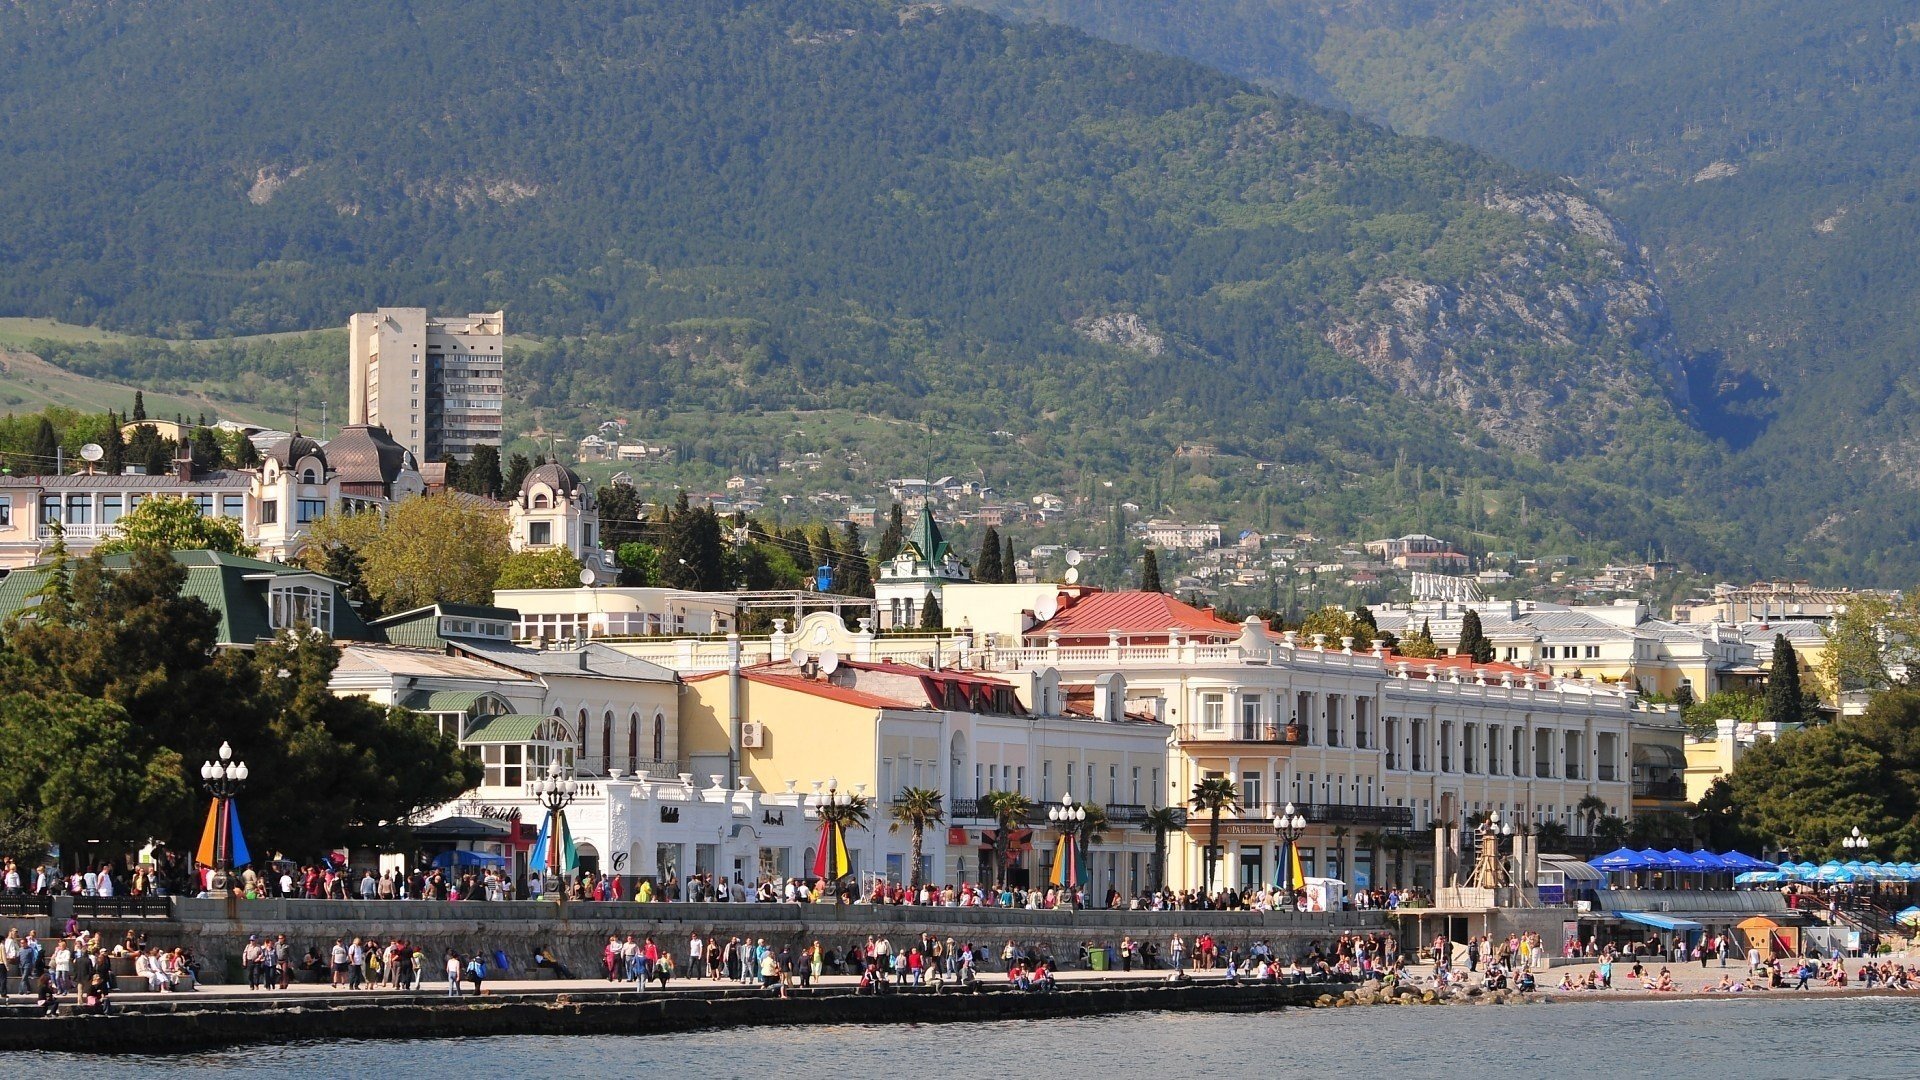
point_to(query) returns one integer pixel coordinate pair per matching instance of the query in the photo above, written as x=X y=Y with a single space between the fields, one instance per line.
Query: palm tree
x=1340 y=850
x=1160 y=821
x=1550 y=836
x=1611 y=830
x=1591 y=807
x=1214 y=796
x=1008 y=810
x=918 y=809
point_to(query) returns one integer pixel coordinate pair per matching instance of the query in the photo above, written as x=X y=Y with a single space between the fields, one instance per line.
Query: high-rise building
x=434 y=382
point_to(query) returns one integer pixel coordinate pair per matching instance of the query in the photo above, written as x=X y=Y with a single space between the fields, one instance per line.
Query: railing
x=1282 y=734
x=120 y=907
x=26 y=905
x=1660 y=789
x=1608 y=773
x=963 y=809
x=1384 y=817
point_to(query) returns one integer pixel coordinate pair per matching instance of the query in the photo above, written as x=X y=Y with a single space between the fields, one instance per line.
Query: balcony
x=1608 y=774
x=1283 y=734
x=1375 y=817
x=1672 y=790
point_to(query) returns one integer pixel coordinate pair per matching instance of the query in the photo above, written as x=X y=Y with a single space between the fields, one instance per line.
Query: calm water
x=1748 y=1039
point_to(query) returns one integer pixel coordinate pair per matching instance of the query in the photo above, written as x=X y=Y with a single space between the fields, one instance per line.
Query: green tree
x=1743 y=706
x=113 y=459
x=44 y=453
x=1009 y=811
x=79 y=772
x=894 y=537
x=481 y=474
x=1213 y=797
x=1009 y=571
x=1150 y=572
x=204 y=450
x=987 y=566
x=1867 y=642
x=1332 y=622
x=694 y=557
x=1474 y=642
x=139 y=406
x=852 y=573
x=172 y=523
x=639 y=564
x=424 y=550
x=1421 y=645
x=1785 y=703
x=517 y=469
x=618 y=505
x=1161 y=821
x=932 y=616
x=917 y=809
x=554 y=568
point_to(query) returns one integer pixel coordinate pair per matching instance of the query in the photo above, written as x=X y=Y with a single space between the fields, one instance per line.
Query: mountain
x=1764 y=153
x=902 y=210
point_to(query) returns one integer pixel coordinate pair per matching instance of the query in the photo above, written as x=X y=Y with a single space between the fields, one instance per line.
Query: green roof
x=218 y=580
x=506 y=728
x=442 y=701
x=927 y=540
x=420 y=627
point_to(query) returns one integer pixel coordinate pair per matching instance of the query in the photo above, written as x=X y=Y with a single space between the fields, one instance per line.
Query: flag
x=569 y=852
x=537 y=859
x=1290 y=876
x=831 y=862
x=1066 y=863
x=209 y=837
x=237 y=853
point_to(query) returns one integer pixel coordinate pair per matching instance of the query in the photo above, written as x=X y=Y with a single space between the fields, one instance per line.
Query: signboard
x=1553 y=894
x=957 y=837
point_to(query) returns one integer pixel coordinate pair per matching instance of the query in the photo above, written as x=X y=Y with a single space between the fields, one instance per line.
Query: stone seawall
x=217 y=930
x=175 y=1031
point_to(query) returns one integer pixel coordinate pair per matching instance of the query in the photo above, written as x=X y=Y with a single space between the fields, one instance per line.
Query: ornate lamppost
x=1856 y=843
x=223 y=779
x=1067 y=818
x=555 y=791
x=836 y=810
x=1291 y=825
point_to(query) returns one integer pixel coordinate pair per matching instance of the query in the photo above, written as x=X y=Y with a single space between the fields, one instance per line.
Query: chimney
x=1110 y=697
x=183 y=466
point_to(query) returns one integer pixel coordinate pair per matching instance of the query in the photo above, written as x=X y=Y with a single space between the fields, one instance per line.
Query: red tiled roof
x=816 y=687
x=1133 y=614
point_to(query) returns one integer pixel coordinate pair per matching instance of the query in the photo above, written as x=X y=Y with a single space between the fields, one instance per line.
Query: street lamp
x=1856 y=843
x=223 y=779
x=1291 y=824
x=1068 y=818
x=555 y=791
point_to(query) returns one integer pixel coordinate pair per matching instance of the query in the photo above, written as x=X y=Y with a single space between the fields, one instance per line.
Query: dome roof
x=367 y=454
x=287 y=452
x=562 y=480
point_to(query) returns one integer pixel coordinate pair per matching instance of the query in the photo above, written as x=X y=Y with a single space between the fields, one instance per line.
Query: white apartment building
x=1178 y=535
x=435 y=382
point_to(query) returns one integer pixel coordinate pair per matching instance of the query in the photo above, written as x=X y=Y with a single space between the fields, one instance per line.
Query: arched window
x=583 y=733
x=659 y=737
x=540 y=501
x=308 y=477
x=606 y=741
x=633 y=742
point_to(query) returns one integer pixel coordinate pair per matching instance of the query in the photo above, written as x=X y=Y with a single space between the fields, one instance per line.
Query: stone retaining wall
x=217 y=930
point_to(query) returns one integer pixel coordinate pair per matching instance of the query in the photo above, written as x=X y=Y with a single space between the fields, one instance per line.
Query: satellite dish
x=1071 y=576
x=798 y=658
x=1074 y=557
x=92 y=452
x=586 y=575
x=1046 y=609
x=829 y=662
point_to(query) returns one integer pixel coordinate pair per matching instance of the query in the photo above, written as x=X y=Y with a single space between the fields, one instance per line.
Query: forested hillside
x=900 y=210
x=1765 y=152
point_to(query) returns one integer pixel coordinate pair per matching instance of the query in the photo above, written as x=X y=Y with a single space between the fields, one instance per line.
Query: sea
x=1747 y=1038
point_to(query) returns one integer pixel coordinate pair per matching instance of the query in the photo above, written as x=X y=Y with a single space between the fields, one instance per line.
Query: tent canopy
x=1659 y=922
x=462 y=857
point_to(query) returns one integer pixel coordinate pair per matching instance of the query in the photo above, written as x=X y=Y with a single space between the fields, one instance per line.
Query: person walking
x=1177 y=948
x=453 y=973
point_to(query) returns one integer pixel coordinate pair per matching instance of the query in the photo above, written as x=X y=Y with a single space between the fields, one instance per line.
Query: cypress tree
x=113 y=460
x=930 y=615
x=1150 y=572
x=139 y=406
x=204 y=449
x=1473 y=641
x=45 y=448
x=1008 y=573
x=1785 y=704
x=894 y=536
x=517 y=469
x=987 y=569
x=482 y=473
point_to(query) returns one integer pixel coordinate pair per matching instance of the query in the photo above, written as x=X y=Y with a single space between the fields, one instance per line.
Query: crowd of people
x=80 y=965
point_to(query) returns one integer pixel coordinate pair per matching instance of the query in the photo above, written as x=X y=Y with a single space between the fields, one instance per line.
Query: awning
x=1573 y=868
x=442 y=701
x=461 y=828
x=1658 y=922
x=461 y=857
x=507 y=728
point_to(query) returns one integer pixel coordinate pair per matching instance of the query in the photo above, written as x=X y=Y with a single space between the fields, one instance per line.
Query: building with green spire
x=913 y=578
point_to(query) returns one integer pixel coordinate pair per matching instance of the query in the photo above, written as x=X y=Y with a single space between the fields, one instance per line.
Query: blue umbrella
x=1907 y=916
x=1759 y=877
x=1835 y=875
x=1657 y=860
x=1618 y=861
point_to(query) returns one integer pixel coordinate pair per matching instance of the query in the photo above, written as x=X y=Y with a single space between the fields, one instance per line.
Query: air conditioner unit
x=753 y=736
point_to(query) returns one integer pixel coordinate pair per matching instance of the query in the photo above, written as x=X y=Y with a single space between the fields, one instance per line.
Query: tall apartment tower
x=435 y=383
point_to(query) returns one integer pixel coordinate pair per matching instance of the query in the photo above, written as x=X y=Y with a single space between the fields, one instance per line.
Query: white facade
x=435 y=382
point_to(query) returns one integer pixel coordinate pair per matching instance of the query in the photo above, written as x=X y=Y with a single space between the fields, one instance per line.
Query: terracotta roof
x=1132 y=614
x=816 y=687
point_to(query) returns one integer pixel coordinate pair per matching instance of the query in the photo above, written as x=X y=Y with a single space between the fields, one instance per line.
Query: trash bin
x=1100 y=958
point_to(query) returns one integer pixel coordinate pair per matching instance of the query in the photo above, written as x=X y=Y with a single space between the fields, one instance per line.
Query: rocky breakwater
x=174 y=1029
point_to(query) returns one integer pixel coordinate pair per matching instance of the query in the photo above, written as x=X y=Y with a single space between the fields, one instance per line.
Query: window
x=633 y=742
x=1133 y=793
x=1046 y=781
x=606 y=740
x=1593 y=652
x=300 y=605
x=109 y=509
x=6 y=512
x=1467 y=747
x=1113 y=784
x=79 y=509
x=306 y=510
x=583 y=733
x=233 y=506
x=1250 y=709
x=1393 y=743
x=659 y=737
x=1250 y=792
x=308 y=477
x=1213 y=713
x=540 y=533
